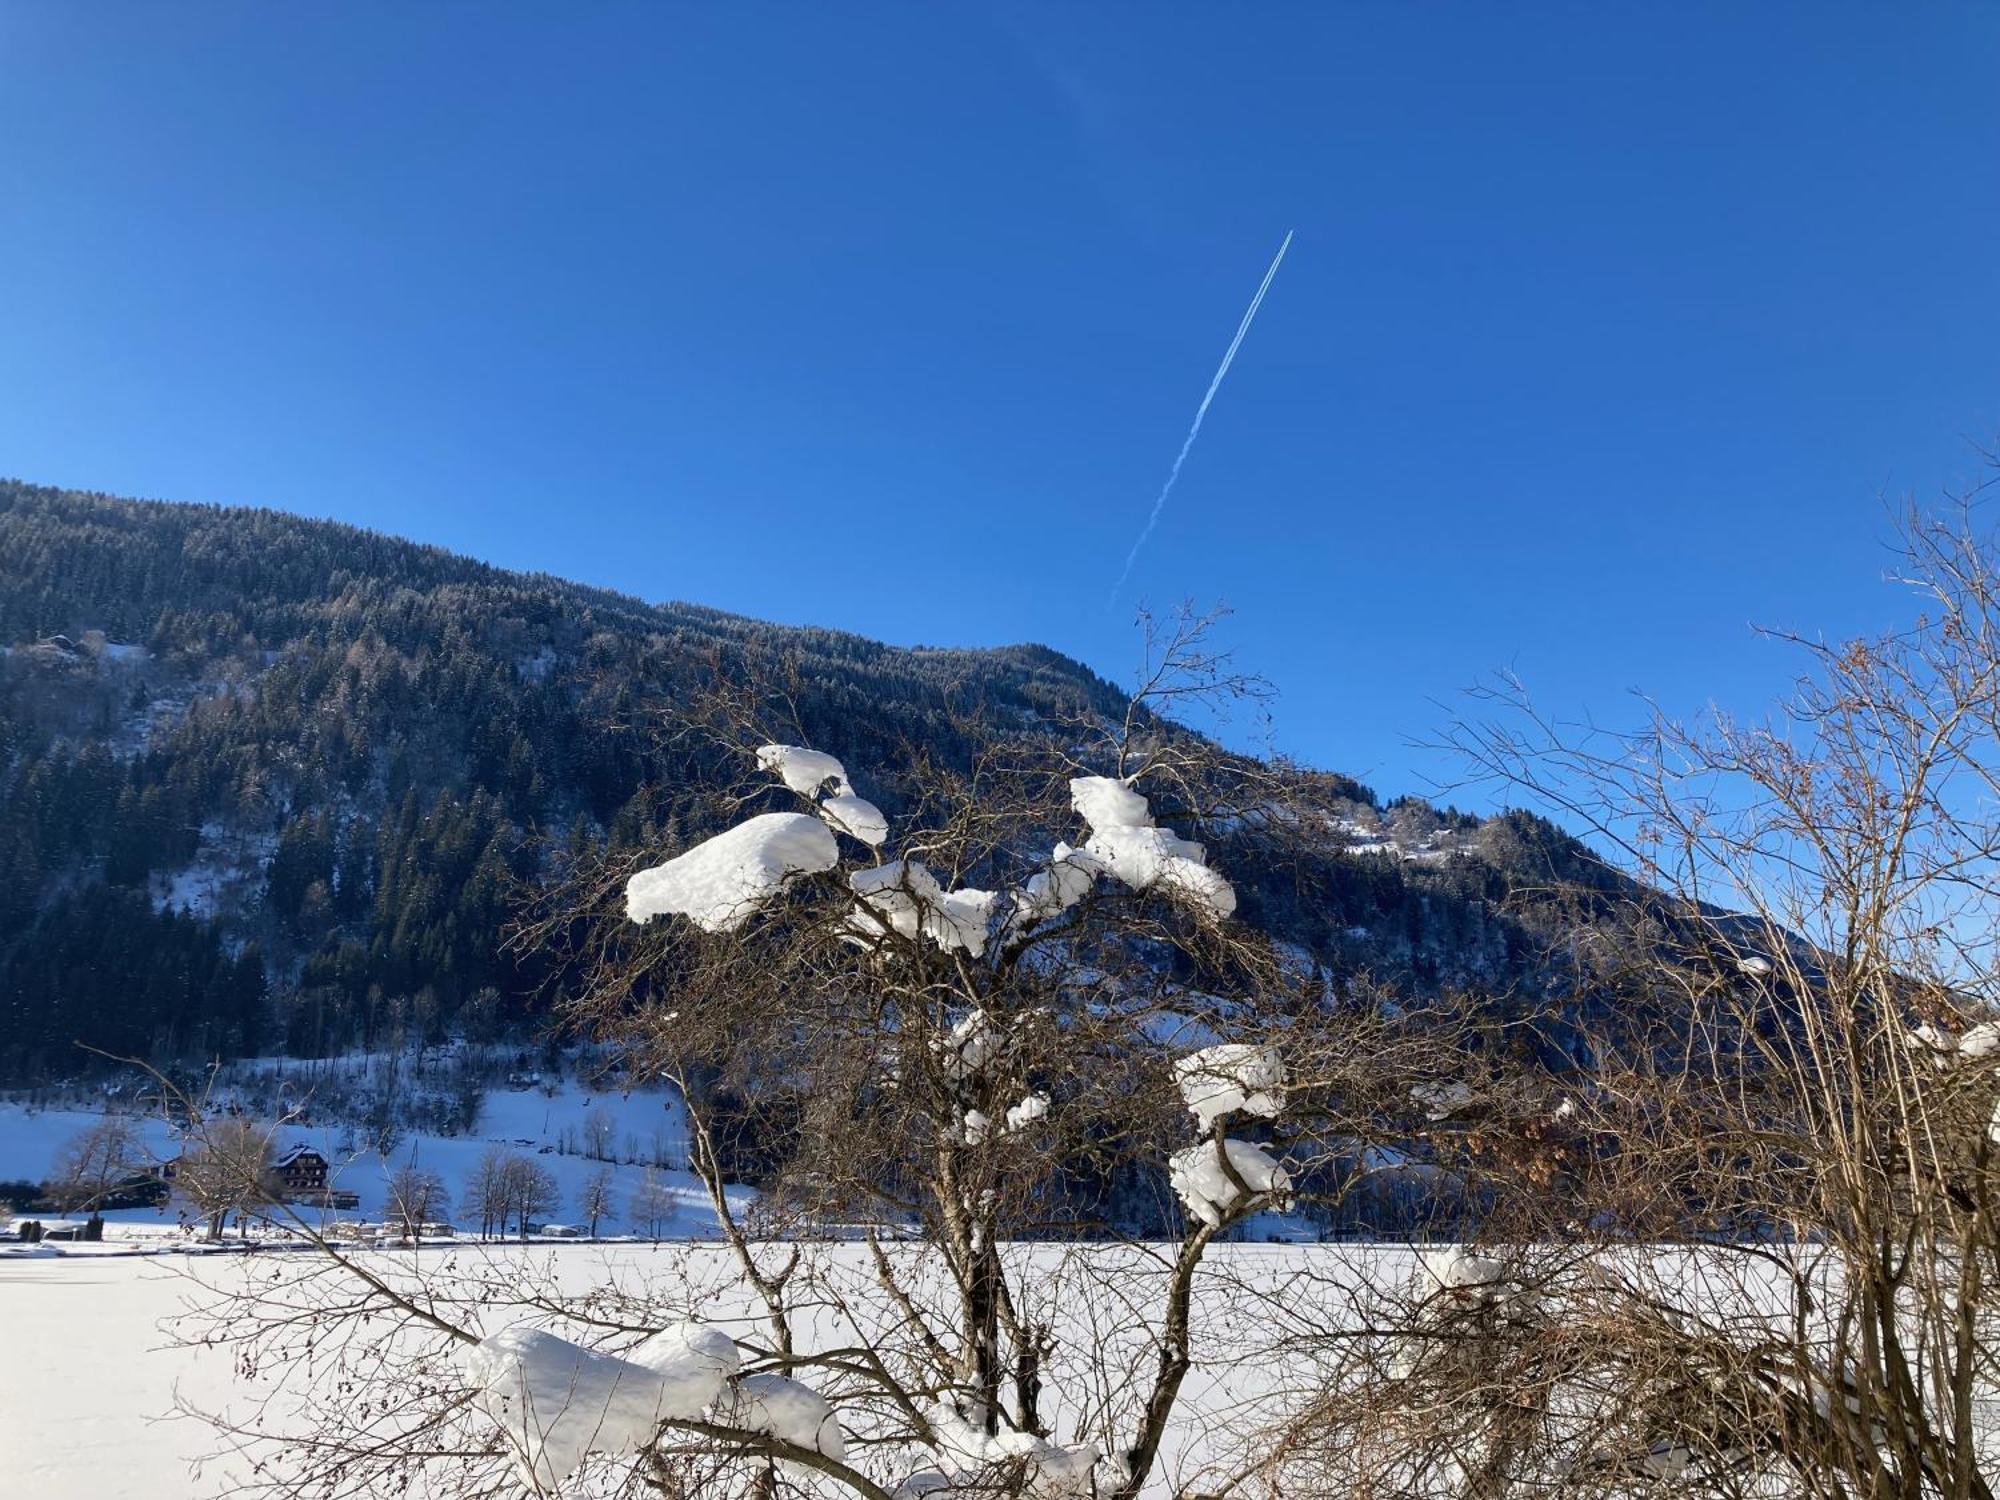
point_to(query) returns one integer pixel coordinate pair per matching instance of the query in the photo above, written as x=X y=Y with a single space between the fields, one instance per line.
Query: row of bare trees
x=506 y=1186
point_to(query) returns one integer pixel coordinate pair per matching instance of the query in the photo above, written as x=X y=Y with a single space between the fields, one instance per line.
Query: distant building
x=302 y=1172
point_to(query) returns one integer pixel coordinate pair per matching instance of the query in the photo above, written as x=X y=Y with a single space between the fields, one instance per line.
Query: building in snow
x=302 y=1171
x=302 y=1177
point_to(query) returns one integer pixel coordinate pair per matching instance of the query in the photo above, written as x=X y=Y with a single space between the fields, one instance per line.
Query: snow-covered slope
x=569 y=1128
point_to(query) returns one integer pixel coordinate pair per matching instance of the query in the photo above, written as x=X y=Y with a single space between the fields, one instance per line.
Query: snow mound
x=856 y=817
x=692 y=1363
x=804 y=771
x=1462 y=1273
x=1234 y=1077
x=786 y=1410
x=557 y=1401
x=720 y=883
x=1105 y=802
x=1030 y=1109
x=1211 y=1196
x=903 y=896
x=1125 y=842
x=1067 y=880
x=1048 y=1472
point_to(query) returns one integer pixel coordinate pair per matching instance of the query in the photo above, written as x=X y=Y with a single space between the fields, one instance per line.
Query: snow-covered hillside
x=570 y=1128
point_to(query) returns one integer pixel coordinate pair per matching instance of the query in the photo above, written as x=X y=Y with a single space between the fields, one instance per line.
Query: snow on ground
x=225 y=874
x=80 y=1415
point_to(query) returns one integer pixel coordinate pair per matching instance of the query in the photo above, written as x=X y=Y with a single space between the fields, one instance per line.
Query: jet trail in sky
x=1181 y=457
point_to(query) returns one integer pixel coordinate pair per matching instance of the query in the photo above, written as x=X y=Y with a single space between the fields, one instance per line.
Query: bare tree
x=485 y=1195
x=416 y=1198
x=652 y=1204
x=1022 y=1009
x=530 y=1190
x=1767 y=1259
x=96 y=1161
x=600 y=1129
x=598 y=1201
x=225 y=1169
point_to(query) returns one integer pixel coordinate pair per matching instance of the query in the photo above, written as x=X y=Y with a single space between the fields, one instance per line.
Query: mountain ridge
x=273 y=784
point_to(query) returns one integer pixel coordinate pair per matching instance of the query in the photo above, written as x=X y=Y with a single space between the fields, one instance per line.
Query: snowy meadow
x=127 y=1330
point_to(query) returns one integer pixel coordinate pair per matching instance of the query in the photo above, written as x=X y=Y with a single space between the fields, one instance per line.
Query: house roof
x=299 y=1153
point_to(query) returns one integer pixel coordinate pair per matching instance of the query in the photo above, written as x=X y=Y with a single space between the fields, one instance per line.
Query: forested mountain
x=269 y=783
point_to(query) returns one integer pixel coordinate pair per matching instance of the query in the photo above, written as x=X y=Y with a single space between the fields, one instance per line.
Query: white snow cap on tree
x=1976 y=1042
x=1982 y=1040
x=856 y=817
x=692 y=1362
x=786 y=1410
x=970 y=1045
x=978 y=1126
x=906 y=897
x=1067 y=880
x=1208 y=1191
x=1106 y=802
x=1462 y=1273
x=804 y=771
x=960 y=920
x=1123 y=838
x=720 y=882
x=1048 y=1472
x=897 y=894
x=557 y=1401
x=1235 y=1076
x=1030 y=1109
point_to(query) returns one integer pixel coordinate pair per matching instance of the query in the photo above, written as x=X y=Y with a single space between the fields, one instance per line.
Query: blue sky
x=1604 y=334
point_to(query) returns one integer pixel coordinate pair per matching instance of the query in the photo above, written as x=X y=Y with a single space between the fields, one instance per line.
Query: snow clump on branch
x=1464 y=1275
x=1031 y=1108
x=809 y=772
x=972 y=1043
x=804 y=771
x=721 y=882
x=692 y=1362
x=1125 y=841
x=1048 y=1472
x=556 y=1401
x=856 y=817
x=1233 y=1077
x=903 y=896
x=1067 y=880
x=784 y=1409
x=1206 y=1186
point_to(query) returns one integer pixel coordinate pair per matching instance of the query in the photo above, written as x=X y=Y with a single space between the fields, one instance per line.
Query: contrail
x=1200 y=412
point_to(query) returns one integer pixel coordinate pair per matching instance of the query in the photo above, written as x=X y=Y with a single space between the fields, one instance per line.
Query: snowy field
x=89 y=1382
